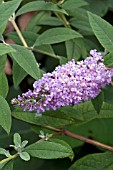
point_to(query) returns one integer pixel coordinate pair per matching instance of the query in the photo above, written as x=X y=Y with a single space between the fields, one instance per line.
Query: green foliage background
x=58 y=32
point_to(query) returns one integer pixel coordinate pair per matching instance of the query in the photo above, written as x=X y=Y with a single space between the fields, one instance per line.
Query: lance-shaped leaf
x=3 y=85
x=26 y=60
x=6 y=10
x=30 y=37
x=50 y=149
x=40 y=6
x=18 y=73
x=4 y=152
x=68 y=5
x=8 y=166
x=108 y=94
x=4 y=49
x=102 y=30
x=98 y=101
x=5 y=115
x=55 y=118
x=101 y=161
x=99 y=8
x=2 y=62
x=106 y=111
x=108 y=59
x=73 y=49
x=56 y=35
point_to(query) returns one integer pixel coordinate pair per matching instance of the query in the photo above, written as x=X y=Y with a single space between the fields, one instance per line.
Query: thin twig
x=9 y=158
x=90 y=141
x=25 y=44
x=43 y=52
x=63 y=19
x=52 y=128
x=18 y=31
x=63 y=131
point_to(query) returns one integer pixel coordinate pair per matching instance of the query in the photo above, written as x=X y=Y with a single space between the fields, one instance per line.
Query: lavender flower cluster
x=68 y=84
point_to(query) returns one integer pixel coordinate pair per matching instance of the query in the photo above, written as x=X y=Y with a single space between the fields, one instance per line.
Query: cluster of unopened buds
x=69 y=84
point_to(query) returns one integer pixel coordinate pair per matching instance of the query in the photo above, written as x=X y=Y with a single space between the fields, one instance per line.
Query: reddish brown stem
x=90 y=141
x=63 y=131
x=109 y=68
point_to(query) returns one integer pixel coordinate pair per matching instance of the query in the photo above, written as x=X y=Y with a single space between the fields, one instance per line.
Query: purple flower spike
x=69 y=84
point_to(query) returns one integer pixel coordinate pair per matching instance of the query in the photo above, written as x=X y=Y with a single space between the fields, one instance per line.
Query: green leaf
x=80 y=21
x=68 y=5
x=2 y=165
x=40 y=6
x=45 y=49
x=56 y=35
x=29 y=37
x=2 y=62
x=99 y=8
x=106 y=111
x=43 y=18
x=62 y=142
x=8 y=166
x=3 y=85
x=108 y=59
x=98 y=101
x=26 y=60
x=24 y=143
x=81 y=24
x=111 y=4
x=4 y=49
x=50 y=149
x=6 y=10
x=53 y=119
x=35 y=20
x=2 y=28
x=78 y=115
x=73 y=49
x=17 y=140
x=97 y=129
x=4 y=152
x=72 y=112
x=24 y=156
x=108 y=94
x=101 y=161
x=18 y=74
x=52 y=21
x=63 y=60
x=102 y=30
x=86 y=111
x=5 y=115
x=89 y=44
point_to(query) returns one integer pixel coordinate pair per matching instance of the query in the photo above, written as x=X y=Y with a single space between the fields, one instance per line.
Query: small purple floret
x=69 y=84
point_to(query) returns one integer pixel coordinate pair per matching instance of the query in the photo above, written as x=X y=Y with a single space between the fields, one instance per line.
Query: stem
x=43 y=52
x=18 y=31
x=24 y=42
x=109 y=68
x=63 y=18
x=90 y=141
x=75 y=136
x=52 y=128
x=9 y=158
